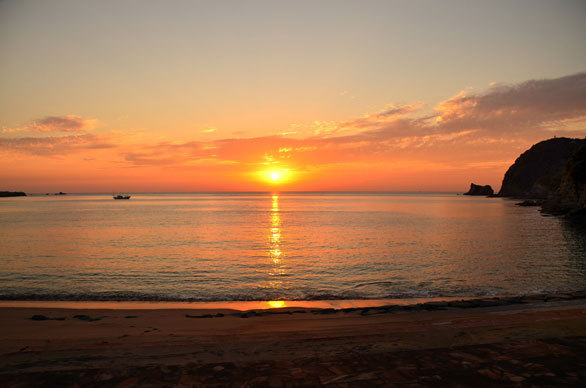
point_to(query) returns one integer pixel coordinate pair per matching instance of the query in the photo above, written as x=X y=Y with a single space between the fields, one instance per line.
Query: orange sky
x=468 y=137
x=221 y=96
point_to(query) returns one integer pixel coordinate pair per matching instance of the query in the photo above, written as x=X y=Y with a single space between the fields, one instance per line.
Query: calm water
x=288 y=246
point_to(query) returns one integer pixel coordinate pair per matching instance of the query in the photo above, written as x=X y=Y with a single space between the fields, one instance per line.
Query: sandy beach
x=539 y=342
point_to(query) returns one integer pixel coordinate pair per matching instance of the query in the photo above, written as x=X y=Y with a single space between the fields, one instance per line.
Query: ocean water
x=282 y=246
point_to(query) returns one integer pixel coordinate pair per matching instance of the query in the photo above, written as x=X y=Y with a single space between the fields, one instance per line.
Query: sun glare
x=275 y=176
x=276 y=304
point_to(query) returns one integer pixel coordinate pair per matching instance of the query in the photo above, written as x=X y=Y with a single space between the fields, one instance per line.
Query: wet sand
x=530 y=343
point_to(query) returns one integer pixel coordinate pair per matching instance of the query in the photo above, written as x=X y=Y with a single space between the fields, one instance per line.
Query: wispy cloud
x=55 y=145
x=512 y=109
x=68 y=123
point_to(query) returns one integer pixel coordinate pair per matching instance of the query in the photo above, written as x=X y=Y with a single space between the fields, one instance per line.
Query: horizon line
x=252 y=192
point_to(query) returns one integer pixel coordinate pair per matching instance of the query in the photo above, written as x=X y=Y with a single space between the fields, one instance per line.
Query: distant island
x=551 y=174
x=12 y=194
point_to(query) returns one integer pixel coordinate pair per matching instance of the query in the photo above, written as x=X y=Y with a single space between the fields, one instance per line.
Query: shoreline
x=509 y=341
x=430 y=303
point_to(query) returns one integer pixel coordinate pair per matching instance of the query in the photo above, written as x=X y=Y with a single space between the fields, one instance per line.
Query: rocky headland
x=537 y=173
x=570 y=197
x=552 y=174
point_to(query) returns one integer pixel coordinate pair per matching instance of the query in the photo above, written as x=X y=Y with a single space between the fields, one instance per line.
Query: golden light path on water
x=275 y=253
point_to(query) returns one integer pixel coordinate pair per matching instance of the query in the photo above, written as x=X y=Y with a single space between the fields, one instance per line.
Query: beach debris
x=39 y=317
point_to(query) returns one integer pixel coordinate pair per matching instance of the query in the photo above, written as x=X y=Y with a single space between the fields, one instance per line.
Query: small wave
x=382 y=283
x=263 y=295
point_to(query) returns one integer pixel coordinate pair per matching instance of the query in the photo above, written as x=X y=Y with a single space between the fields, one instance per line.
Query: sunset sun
x=275 y=176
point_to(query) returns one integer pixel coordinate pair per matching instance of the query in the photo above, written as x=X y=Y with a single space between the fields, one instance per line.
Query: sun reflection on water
x=276 y=304
x=274 y=245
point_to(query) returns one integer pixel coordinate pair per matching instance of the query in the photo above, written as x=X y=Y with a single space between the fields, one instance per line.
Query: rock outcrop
x=480 y=190
x=12 y=194
x=537 y=173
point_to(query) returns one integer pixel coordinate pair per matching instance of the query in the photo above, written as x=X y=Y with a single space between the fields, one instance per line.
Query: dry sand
x=533 y=344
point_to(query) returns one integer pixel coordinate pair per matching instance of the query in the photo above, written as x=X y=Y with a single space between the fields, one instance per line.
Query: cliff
x=570 y=197
x=538 y=172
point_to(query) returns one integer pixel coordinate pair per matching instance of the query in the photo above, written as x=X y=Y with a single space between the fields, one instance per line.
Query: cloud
x=67 y=123
x=512 y=109
x=388 y=116
x=55 y=145
x=524 y=112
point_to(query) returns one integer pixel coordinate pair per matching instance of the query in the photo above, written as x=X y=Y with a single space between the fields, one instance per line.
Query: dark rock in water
x=530 y=202
x=324 y=311
x=12 y=194
x=480 y=190
x=199 y=316
x=434 y=305
x=570 y=197
x=87 y=318
x=537 y=173
x=373 y=311
x=218 y=315
x=250 y=314
x=272 y=312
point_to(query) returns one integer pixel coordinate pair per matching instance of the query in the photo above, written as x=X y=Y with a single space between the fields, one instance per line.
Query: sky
x=179 y=96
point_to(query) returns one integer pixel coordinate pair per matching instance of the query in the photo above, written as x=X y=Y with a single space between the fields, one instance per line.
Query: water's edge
x=368 y=306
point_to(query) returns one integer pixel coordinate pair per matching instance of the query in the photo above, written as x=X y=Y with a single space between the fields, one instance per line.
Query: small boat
x=120 y=196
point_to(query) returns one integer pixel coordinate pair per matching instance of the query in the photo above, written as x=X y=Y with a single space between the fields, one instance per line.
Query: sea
x=203 y=247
